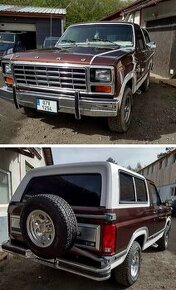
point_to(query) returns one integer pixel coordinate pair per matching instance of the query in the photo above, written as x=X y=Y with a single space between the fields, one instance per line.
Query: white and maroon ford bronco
x=94 y=70
x=91 y=219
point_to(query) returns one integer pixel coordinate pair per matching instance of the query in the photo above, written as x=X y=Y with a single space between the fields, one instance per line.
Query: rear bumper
x=99 y=274
x=72 y=103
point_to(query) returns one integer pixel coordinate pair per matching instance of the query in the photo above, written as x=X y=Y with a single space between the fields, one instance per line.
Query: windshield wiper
x=105 y=40
x=68 y=41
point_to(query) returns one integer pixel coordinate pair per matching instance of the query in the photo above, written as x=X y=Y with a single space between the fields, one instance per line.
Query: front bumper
x=72 y=103
x=95 y=273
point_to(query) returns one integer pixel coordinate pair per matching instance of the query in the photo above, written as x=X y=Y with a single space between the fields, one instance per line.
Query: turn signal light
x=109 y=239
x=9 y=81
x=103 y=89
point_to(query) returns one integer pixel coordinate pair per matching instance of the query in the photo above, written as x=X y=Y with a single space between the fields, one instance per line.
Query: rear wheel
x=48 y=225
x=146 y=84
x=128 y=272
x=122 y=121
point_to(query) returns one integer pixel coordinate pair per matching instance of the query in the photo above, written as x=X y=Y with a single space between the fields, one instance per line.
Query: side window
x=141 y=190
x=155 y=195
x=146 y=35
x=139 y=40
x=127 y=193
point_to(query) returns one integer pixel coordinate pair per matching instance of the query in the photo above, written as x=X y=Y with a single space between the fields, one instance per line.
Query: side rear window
x=141 y=190
x=127 y=193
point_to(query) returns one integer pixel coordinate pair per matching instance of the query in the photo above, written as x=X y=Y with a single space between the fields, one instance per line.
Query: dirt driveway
x=157 y=273
x=154 y=121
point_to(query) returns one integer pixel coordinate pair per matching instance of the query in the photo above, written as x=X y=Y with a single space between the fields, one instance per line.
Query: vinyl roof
x=31 y=10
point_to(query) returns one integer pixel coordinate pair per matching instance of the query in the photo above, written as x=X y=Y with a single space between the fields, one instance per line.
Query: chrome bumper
x=6 y=94
x=99 y=274
x=79 y=105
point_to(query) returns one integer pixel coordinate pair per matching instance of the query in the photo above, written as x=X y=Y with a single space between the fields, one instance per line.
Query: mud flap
x=15 y=98
x=77 y=106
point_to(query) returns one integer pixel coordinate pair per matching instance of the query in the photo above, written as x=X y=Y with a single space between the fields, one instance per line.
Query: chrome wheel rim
x=135 y=264
x=40 y=228
x=127 y=110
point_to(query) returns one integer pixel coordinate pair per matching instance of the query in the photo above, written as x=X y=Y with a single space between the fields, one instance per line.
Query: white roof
x=31 y=9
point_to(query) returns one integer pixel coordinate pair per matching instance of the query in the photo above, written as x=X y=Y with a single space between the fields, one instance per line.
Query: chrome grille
x=72 y=78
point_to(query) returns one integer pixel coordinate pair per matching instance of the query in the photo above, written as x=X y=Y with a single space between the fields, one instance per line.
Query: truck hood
x=73 y=55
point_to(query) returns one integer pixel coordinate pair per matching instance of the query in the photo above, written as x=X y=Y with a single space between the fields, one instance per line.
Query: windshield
x=98 y=34
x=7 y=38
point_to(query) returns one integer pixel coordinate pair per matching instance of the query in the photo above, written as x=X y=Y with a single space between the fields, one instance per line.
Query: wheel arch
x=129 y=81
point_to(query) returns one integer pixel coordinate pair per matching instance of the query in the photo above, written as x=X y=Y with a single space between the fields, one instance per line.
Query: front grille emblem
x=36 y=57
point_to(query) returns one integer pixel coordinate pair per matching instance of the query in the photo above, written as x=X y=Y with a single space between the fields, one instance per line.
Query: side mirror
x=151 y=45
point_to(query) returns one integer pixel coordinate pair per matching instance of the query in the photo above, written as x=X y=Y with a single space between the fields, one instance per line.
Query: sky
x=124 y=156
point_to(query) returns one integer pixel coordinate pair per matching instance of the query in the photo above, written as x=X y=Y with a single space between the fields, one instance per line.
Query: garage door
x=17 y=27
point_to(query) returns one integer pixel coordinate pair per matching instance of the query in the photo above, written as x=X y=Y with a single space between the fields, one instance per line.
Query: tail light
x=109 y=239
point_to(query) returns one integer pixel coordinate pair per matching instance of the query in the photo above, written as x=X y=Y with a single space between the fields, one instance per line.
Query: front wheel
x=122 y=121
x=128 y=272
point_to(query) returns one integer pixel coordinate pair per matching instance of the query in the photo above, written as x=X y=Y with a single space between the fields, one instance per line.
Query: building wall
x=163 y=173
x=42 y=26
x=15 y=165
x=160 y=21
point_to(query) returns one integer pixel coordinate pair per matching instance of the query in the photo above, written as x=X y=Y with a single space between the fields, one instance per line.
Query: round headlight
x=7 y=68
x=103 y=75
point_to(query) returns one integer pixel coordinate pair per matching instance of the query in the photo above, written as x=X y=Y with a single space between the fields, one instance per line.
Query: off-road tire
x=118 y=123
x=146 y=84
x=63 y=219
x=122 y=274
x=163 y=242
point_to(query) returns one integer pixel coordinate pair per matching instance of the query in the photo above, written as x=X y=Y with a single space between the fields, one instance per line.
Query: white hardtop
x=109 y=172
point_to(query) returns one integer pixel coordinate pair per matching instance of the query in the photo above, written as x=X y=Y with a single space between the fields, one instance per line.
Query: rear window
x=127 y=193
x=76 y=189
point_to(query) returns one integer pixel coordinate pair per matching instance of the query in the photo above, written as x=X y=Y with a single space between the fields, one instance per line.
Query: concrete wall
x=14 y=163
x=163 y=173
x=165 y=192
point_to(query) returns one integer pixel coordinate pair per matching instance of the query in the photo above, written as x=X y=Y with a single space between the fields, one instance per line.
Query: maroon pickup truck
x=91 y=219
x=94 y=70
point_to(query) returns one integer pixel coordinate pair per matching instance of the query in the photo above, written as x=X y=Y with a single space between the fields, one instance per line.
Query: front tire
x=128 y=272
x=122 y=121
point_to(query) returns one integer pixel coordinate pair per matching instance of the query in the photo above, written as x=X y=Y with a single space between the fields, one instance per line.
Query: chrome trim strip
x=107 y=216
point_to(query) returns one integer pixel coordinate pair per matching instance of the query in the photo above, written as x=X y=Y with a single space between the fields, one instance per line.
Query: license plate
x=47 y=105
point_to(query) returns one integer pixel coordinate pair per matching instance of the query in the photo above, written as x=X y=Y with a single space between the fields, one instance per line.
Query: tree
x=167 y=150
x=111 y=160
x=77 y=10
x=136 y=169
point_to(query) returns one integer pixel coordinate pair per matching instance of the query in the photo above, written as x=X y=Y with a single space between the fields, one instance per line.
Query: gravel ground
x=157 y=272
x=154 y=121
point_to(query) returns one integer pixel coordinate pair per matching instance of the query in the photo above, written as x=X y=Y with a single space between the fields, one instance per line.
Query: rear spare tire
x=48 y=225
